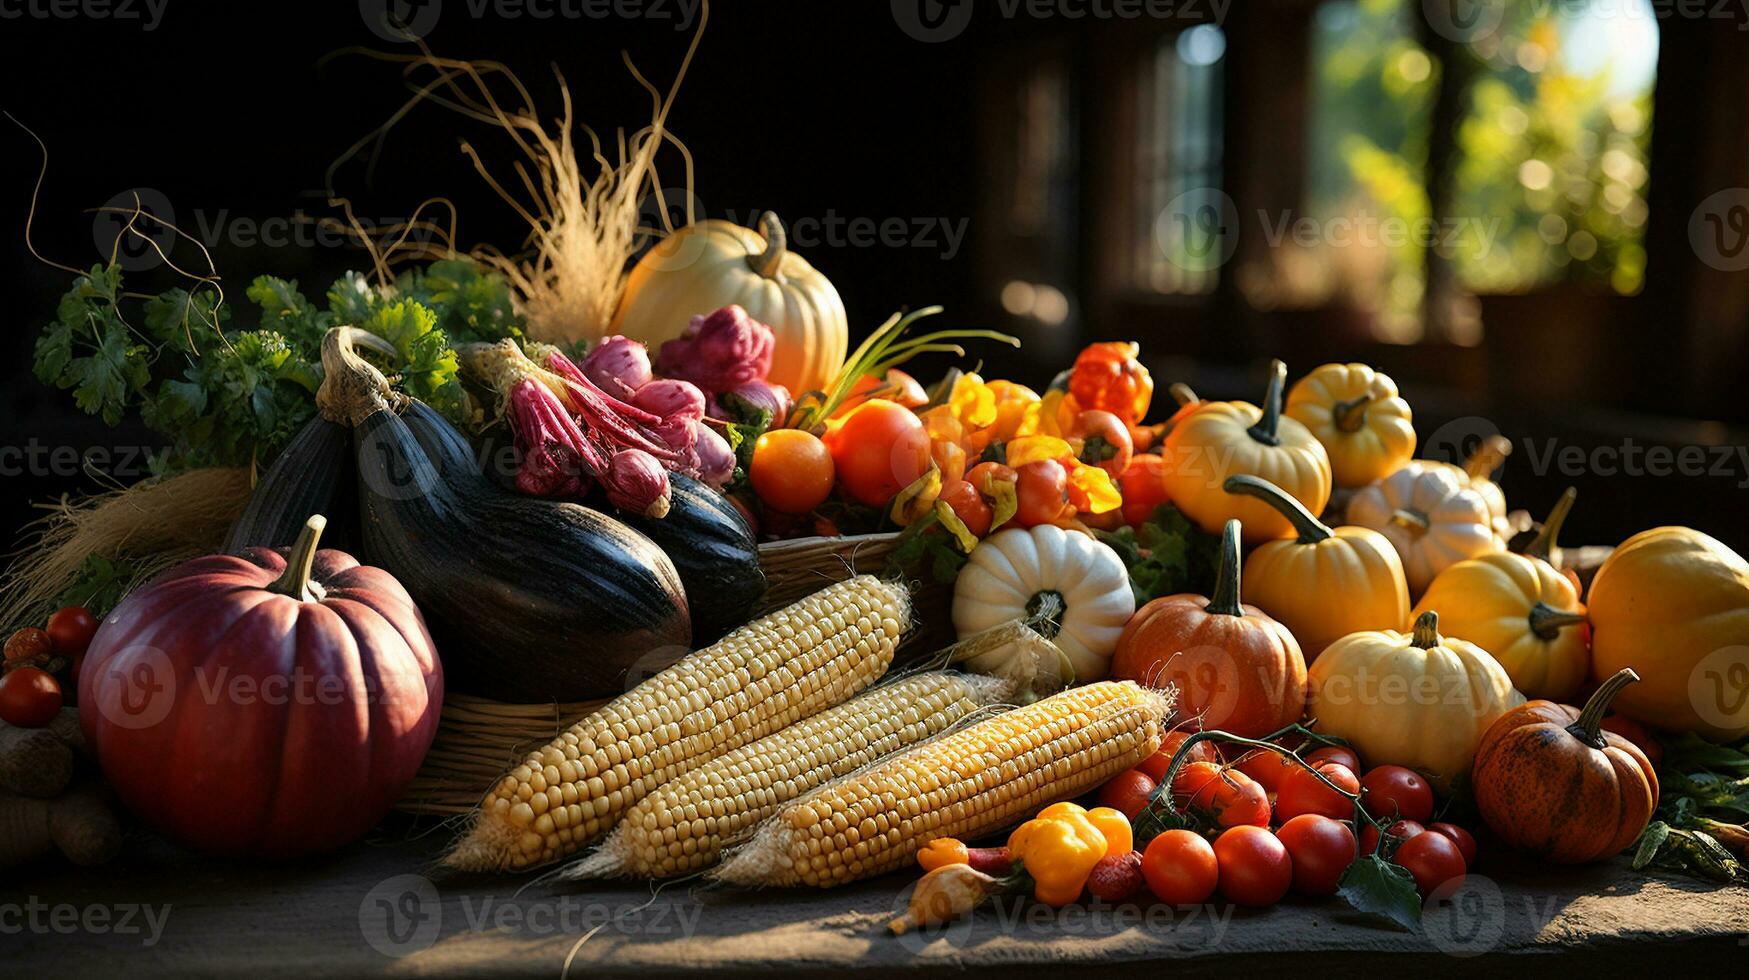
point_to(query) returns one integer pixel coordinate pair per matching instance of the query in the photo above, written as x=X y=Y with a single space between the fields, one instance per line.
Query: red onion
x=716 y=461
x=619 y=366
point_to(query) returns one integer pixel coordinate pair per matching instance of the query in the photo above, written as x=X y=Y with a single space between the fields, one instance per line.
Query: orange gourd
x=1236 y=668
x=1550 y=780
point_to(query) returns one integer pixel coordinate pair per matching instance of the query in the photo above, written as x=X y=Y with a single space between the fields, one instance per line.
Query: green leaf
x=471 y=303
x=285 y=311
x=188 y=322
x=428 y=370
x=1381 y=888
x=1650 y=843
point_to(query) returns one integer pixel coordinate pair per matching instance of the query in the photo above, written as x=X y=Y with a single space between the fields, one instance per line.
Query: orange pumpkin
x=1236 y=669
x=1550 y=780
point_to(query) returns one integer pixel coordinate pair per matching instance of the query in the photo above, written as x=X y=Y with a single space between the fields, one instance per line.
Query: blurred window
x=1177 y=231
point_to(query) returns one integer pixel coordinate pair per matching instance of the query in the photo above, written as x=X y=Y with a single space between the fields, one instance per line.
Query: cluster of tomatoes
x=1273 y=826
x=30 y=694
x=998 y=451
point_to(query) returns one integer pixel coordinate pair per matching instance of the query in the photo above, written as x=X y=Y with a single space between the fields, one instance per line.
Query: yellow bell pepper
x=1120 y=838
x=1059 y=848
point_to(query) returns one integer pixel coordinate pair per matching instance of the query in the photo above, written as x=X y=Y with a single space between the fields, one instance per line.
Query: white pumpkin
x=1013 y=573
x=708 y=265
x=1430 y=516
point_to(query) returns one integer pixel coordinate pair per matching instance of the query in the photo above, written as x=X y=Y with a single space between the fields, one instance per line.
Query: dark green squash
x=313 y=474
x=529 y=600
x=713 y=548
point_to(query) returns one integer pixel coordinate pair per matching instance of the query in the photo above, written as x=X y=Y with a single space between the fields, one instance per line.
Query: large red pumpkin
x=1236 y=669
x=250 y=706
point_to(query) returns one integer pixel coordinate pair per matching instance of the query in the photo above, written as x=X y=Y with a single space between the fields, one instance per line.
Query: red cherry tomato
x=29 y=643
x=29 y=698
x=1432 y=858
x=1254 y=864
x=1335 y=753
x=1156 y=765
x=1043 y=487
x=72 y=628
x=1302 y=792
x=1266 y=768
x=1227 y=795
x=1127 y=792
x=1402 y=830
x=969 y=506
x=1465 y=841
x=1395 y=791
x=1321 y=849
x=1180 y=867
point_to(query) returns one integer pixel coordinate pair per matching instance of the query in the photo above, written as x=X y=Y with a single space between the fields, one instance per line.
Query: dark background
x=816 y=109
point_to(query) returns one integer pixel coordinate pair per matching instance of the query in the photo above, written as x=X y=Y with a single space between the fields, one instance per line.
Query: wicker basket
x=477 y=740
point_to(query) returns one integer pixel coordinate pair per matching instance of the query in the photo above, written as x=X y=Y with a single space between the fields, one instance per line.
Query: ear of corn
x=972 y=782
x=684 y=825
x=757 y=680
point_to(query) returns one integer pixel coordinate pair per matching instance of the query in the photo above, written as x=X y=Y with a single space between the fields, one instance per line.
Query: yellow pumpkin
x=1433 y=519
x=1221 y=439
x=710 y=264
x=1522 y=610
x=1477 y=473
x=1418 y=700
x=1365 y=426
x=1673 y=604
x=1327 y=582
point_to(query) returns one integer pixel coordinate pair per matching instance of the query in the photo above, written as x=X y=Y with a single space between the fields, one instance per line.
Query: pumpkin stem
x=295 y=580
x=1044 y=613
x=1426 y=635
x=1588 y=728
x=1350 y=415
x=1412 y=519
x=766 y=263
x=1547 y=621
x=1488 y=456
x=1225 y=600
x=1182 y=394
x=1543 y=545
x=1265 y=429
x=1310 y=529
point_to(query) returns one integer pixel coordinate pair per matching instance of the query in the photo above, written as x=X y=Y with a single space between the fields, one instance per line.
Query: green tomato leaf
x=1373 y=885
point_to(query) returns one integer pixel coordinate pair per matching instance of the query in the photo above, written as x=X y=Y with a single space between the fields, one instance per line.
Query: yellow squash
x=1522 y=610
x=1221 y=439
x=1673 y=604
x=1357 y=414
x=1418 y=700
x=1430 y=516
x=708 y=265
x=1327 y=582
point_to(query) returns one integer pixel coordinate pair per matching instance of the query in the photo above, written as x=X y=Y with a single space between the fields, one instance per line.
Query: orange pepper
x=1109 y=377
x=941 y=852
x=1120 y=838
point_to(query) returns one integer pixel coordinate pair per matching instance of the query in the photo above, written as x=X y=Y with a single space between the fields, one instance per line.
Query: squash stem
x=295 y=580
x=1488 y=456
x=1414 y=520
x=1426 y=635
x=768 y=262
x=1225 y=600
x=1350 y=415
x=1265 y=429
x=1588 y=728
x=1044 y=613
x=1543 y=545
x=1310 y=529
x=1182 y=393
x=1547 y=621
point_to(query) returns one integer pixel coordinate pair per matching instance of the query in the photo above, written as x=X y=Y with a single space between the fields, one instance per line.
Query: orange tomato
x=1143 y=485
x=897 y=386
x=791 y=471
x=878 y=449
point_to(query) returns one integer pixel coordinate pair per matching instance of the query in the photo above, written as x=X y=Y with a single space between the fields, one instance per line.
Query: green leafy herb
x=92 y=350
x=1702 y=806
x=1165 y=555
x=100 y=584
x=1372 y=884
x=923 y=549
x=745 y=425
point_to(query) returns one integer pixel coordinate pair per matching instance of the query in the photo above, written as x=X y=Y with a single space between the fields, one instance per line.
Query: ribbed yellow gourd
x=1356 y=412
x=1324 y=583
x=1522 y=610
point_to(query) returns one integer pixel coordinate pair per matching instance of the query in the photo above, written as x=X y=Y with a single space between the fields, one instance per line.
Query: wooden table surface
x=379 y=909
